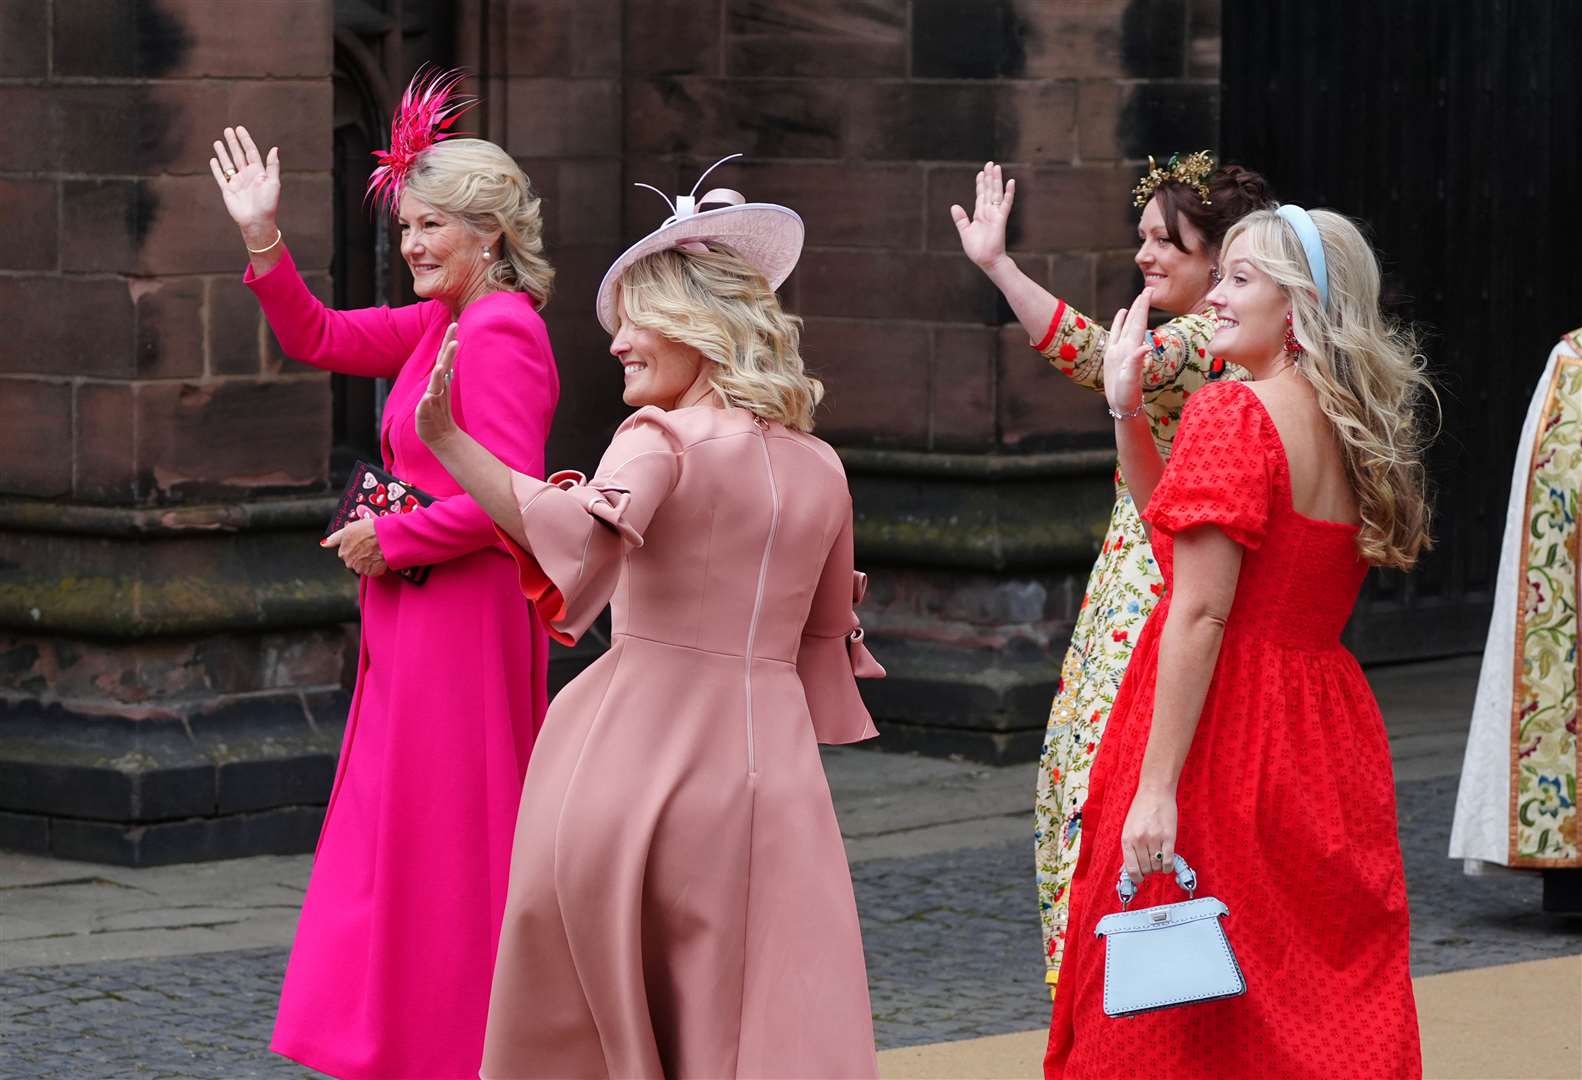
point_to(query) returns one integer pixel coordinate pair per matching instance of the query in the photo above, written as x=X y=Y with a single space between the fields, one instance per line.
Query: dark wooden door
x=1452 y=128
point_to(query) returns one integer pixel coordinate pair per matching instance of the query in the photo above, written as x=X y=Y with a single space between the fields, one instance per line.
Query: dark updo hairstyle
x=1234 y=192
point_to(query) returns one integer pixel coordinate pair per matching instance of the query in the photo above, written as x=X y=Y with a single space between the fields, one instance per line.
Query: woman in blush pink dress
x=680 y=901
x=389 y=974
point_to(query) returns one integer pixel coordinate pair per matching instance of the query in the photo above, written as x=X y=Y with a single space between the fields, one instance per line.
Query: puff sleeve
x=1219 y=472
x=371 y=342
x=832 y=656
x=578 y=530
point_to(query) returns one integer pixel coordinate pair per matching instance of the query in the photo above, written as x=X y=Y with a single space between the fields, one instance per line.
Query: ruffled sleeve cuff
x=577 y=532
x=829 y=668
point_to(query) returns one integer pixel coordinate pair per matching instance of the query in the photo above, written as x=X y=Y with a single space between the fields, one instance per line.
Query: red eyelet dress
x=1286 y=802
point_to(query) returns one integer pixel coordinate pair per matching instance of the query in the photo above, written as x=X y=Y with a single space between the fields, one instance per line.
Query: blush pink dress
x=389 y=973
x=680 y=901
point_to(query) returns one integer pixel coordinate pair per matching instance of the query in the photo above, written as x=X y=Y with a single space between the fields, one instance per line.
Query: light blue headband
x=1312 y=245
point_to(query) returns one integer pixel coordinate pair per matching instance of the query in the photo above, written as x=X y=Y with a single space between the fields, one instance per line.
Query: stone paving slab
x=952 y=945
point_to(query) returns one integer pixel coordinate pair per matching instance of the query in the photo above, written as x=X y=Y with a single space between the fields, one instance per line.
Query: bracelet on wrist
x=279 y=236
x=1132 y=415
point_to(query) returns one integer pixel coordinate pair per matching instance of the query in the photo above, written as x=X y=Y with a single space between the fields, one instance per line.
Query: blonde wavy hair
x=718 y=304
x=1366 y=371
x=476 y=181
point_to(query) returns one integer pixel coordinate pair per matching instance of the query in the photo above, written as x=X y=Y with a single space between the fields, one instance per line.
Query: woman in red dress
x=1244 y=735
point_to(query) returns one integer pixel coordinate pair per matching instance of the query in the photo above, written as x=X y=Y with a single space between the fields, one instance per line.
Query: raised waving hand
x=983 y=234
x=249 y=182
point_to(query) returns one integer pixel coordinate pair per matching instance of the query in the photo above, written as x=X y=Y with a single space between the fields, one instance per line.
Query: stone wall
x=171 y=654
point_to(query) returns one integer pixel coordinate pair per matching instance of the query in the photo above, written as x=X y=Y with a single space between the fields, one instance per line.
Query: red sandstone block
x=762 y=118
x=169 y=314
x=816 y=38
x=296 y=116
x=894 y=285
x=1081 y=208
x=106 y=444
x=918 y=121
x=586 y=191
x=26 y=134
x=35 y=437
x=1038 y=406
x=564 y=117
x=961 y=405
x=67 y=326
x=274 y=360
x=876 y=380
x=876 y=206
x=1035 y=122
x=672 y=37
x=1204 y=34
x=1117 y=281
x=24 y=53
x=216 y=439
x=1099 y=103
x=177 y=225
x=1071 y=278
x=102 y=222
x=29 y=211
x=233 y=325
x=1103 y=38
x=564 y=37
x=171 y=127
x=187 y=38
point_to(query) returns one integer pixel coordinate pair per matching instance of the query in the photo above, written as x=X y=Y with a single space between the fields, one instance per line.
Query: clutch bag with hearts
x=373 y=493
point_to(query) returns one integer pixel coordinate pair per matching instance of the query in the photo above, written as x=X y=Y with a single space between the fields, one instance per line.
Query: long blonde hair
x=715 y=302
x=1366 y=371
x=484 y=186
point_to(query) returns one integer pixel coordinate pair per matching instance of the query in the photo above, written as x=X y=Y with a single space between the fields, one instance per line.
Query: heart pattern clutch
x=373 y=493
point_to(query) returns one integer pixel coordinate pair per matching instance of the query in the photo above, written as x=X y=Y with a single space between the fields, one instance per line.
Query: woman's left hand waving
x=436 y=423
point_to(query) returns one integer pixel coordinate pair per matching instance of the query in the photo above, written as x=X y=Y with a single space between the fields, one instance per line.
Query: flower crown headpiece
x=1191 y=170
x=428 y=109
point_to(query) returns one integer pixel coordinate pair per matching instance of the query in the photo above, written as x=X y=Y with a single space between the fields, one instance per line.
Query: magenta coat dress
x=389 y=974
x=680 y=900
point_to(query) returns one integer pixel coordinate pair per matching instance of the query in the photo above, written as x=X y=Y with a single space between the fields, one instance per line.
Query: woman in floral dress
x=1187 y=206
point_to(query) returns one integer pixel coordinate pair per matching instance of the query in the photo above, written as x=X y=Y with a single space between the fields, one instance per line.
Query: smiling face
x=658 y=371
x=445 y=256
x=1251 y=309
x=1178 y=278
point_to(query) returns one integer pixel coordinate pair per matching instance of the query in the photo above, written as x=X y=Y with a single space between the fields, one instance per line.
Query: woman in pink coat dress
x=389 y=975
x=680 y=901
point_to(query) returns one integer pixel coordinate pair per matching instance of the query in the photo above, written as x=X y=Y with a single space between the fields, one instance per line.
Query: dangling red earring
x=1292 y=346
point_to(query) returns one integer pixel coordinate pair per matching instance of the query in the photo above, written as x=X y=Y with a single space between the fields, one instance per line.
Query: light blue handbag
x=1173 y=954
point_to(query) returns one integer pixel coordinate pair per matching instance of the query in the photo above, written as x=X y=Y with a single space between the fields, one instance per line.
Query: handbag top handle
x=1186 y=877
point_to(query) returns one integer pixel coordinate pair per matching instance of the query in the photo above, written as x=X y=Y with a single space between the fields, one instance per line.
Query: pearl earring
x=485 y=253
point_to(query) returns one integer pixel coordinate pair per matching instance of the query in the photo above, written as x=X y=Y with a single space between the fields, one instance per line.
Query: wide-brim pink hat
x=767 y=236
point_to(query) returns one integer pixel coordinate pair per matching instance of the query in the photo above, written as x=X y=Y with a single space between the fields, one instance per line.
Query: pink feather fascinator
x=428 y=109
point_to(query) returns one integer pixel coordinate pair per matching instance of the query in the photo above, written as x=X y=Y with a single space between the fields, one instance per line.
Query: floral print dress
x=1122 y=590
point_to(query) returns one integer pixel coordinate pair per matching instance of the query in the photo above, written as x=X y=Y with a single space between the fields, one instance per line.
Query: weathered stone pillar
x=172 y=640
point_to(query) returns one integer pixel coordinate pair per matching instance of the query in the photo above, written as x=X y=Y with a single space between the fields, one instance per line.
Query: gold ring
x=229 y=173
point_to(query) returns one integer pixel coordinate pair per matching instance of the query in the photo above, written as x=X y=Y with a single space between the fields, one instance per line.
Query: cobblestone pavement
x=951 y=937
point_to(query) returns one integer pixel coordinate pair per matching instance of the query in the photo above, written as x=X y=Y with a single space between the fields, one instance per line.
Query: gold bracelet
x=279 y=236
